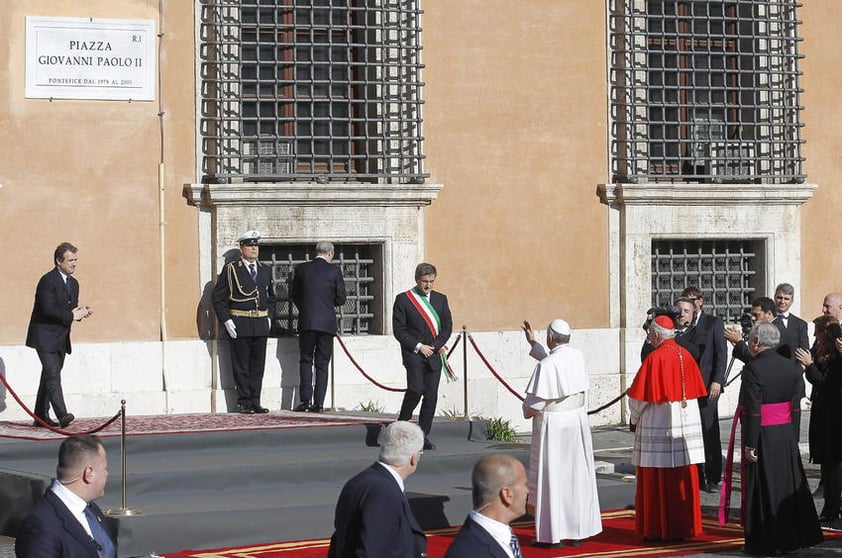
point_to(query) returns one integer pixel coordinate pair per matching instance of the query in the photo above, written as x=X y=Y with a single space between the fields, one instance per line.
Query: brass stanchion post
x=465 y=368
x=123 y=510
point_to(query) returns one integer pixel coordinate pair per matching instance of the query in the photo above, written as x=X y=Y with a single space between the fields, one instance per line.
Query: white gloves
x=232 y=329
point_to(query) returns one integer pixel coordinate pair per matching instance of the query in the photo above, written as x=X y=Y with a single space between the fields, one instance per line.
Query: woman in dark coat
x=823 y=369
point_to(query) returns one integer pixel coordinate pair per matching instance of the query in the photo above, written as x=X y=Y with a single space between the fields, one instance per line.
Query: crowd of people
x=673 y=404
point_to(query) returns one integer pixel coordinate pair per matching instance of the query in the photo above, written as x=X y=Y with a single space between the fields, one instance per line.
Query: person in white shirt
x=562 y=476
x=498 y=489
x=67 y=523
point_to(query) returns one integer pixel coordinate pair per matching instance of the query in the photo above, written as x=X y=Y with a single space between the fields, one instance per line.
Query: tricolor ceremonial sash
x=431 y=318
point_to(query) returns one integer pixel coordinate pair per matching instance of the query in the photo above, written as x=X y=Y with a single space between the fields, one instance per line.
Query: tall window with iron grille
x=311 y=90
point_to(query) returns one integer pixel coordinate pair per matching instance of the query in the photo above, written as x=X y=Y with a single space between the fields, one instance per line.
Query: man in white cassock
x=562 y=479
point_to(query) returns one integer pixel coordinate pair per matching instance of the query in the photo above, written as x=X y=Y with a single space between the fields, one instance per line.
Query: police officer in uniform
x=245 y=304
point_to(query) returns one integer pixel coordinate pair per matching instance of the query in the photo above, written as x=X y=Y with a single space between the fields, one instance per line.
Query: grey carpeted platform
x=211 y=490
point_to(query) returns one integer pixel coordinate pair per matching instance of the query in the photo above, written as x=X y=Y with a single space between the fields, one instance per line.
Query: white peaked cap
x=560 y=326
x=249 y=235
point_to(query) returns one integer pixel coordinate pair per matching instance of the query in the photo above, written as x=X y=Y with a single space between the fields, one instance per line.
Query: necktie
x=103 y=540
x=513 y=544
x=253 y=271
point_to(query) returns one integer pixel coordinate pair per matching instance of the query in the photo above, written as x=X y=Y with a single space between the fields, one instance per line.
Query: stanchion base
x=124 y=512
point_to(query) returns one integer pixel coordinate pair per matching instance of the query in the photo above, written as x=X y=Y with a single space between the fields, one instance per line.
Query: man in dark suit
x=245 y=304
x=793 y=329
x=498 y=490
x=67 y=523
x=709 y=337
x=373 y=517
x=421 y=322
x=317 y=288
x=56 y=308
x=762 y=310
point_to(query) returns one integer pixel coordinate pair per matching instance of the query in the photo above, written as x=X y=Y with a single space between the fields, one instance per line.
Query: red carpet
x=616 y=540
x=178 y=424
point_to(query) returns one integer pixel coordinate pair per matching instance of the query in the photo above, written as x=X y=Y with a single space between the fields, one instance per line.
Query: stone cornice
x=309 y=194
x=704 y=194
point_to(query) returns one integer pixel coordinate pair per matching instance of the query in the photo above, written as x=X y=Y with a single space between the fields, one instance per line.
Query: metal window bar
x=705 y=90
x=725 y=271
x=358 y=265
x=314 y=90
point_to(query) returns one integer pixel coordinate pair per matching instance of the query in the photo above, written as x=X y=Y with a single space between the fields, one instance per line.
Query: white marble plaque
x=85 y=58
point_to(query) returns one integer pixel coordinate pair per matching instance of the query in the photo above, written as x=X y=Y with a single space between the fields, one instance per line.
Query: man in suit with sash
x=422 y=324
x=56 y=308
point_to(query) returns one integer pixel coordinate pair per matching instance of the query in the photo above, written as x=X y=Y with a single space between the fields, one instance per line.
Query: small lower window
x=729 y=273
x=362 y=269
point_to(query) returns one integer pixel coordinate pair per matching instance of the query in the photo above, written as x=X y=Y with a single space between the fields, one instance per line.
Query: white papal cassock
x=562 y=479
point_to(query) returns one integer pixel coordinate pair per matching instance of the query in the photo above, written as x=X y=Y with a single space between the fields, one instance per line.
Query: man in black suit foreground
x=422 y=324
x=498 y=489
x=244 y=302
x=67 y=523
x=56 y=308
x=373 y=517
x=317 y=288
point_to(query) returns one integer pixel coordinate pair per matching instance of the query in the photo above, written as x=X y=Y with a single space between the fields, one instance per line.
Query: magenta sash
x=771 y=414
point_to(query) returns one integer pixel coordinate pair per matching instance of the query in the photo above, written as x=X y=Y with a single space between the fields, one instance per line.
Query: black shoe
x=48 y=421
x=301 y=407
x=260 y=410
x=65 y=420
x=577 y=542
x=428 y=445
x=243 y=410
x=315 y=409
x=537 y=544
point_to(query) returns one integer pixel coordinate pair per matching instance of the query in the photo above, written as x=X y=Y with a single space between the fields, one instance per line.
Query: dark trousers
x=832 y=479
x=49 y=388
x=248 y=359
x=315 y=348
x=421 y=381
x=711 y=470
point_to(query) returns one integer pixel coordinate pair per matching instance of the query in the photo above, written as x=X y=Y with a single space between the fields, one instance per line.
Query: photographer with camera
x=762 y=310
x=681 y=324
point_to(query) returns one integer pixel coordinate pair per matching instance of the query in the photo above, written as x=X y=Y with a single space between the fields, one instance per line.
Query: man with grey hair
x=498 y=488
x=793 y=329
x=317 y=289
x=779 y=512
x=373 y=517
x=562 y=477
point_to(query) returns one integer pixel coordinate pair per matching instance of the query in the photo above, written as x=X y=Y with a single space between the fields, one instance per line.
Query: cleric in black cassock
x=780 y=514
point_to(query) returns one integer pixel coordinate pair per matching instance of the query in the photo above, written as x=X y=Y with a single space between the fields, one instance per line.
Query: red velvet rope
x=491 y=369
x=52 y=428
x=367 y=377
x=516 y=394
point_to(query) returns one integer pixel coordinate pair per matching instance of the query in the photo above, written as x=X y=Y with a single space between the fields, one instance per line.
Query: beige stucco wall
x=515 y=130
x=822 y=266
x=515 y=122
x=87 y=172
